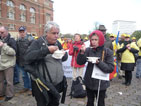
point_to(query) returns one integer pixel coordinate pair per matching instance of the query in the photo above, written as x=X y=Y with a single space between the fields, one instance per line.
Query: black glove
x=75 y=48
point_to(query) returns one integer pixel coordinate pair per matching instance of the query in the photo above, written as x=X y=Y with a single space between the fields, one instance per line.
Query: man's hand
x=52 y=49
x=1 y=44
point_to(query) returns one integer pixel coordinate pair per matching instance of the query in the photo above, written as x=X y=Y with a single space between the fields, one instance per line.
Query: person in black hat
x=102 y=29
x=23 y=43
x=108 y=43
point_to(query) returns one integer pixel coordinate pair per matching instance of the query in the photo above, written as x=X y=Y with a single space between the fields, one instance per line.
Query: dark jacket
x=107 y=66
x=22 y=46
x=38 y=54
x=108 y=43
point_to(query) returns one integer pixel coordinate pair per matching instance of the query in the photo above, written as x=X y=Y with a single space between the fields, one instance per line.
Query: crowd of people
x=42 y=71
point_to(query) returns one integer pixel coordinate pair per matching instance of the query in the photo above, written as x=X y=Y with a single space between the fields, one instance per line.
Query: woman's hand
x=97 y=61
x=83 y=48
x=128 y=47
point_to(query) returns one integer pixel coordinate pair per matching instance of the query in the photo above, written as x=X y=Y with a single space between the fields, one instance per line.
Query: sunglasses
x=111 y=36
x=1 y=32
x=103 y=30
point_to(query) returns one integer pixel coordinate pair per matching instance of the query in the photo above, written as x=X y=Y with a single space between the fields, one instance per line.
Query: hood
x=100 y=35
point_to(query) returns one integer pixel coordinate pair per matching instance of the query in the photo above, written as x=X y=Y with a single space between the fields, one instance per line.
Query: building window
x=48 y=17
x=10 y=3
x=23 y=17
x=11 y=12
x=32 y=17
x=22 y=7
x=46 y=2
x=23 y=13
x=11 y=27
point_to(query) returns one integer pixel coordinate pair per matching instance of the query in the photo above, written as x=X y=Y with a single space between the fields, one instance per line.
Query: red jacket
x=74 y=54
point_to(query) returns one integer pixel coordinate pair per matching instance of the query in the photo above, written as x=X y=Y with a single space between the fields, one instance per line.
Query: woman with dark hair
x=105 y=63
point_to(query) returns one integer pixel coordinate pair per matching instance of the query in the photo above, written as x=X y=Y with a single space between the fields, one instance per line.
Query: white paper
x=98 y=74
x=92 y=59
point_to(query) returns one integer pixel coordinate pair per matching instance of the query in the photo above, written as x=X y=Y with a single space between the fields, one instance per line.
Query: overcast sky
x=79 y=16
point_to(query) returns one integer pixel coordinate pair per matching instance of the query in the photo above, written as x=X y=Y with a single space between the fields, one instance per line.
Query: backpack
x=78 y=89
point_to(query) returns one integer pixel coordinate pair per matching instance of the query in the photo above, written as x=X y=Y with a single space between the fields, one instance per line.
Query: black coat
x=22 y=46
x=107 y=66
x=36 y=54
x=10 y=42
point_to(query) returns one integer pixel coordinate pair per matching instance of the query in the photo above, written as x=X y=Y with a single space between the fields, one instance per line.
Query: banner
x=68 y=69
x=98 y=74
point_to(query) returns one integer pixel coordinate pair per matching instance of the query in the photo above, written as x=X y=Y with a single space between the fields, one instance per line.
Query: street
x=118 y=95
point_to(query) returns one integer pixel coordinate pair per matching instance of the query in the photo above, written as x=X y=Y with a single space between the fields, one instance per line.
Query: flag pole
x=117 y=39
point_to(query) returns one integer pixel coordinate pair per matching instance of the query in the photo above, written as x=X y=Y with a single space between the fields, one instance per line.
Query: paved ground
x=118 y=95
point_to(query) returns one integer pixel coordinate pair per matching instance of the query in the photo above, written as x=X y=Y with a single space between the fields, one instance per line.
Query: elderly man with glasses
x=7 y=62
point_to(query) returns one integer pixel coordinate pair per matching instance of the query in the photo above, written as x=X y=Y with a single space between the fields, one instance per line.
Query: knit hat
x=100 y=35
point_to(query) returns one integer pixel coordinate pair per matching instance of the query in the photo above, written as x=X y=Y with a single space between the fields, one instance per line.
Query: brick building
x=30 y=13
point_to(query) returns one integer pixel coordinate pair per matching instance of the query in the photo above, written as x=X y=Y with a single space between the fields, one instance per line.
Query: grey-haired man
x=46 y=67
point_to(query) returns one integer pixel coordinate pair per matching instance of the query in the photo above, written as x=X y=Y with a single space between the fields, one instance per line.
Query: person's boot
x=8 y=98
x=124 y=83
x=128 y=83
